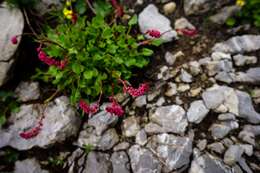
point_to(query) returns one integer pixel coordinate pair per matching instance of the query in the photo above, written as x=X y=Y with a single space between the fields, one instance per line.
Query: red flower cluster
x=88 y=109
x=135 y=92
x=14 y=40
x=143 y=88
x=114 y=108
x=154 y=33
x=50 y=61
x=32 y=132
x=118 y=8
x=188 y=32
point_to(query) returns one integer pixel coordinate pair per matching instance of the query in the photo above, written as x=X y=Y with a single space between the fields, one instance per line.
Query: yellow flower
x=67 y=13
x=240 y=3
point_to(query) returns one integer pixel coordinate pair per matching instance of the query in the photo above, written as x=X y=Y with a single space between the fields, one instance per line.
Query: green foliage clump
x=8 y=104
x=98 y=54
x=250 y=13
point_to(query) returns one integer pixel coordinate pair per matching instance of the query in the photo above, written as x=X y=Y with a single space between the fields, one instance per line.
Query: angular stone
x=185 y=76
x=197 y=112
x=27 y=91
x=174 y=150
x=233 y=154
x=28 y=166
x=143 y=160
x=226 y=12
x=170 y=118
x=169 y=8
x=239 y=44
x=216 y=147
x=60 y=122
x=241 y=60
x=130 y=126
x=140 y=101
x=249 y=133
x=219 y=131
x=11 y=24
x=207 y=163
x=120 y=162
x=141 y=137
x=170 y=58
x=183 y=23
x=102 y=121
x=150 y=18
x=196 y=6
x=98 y=162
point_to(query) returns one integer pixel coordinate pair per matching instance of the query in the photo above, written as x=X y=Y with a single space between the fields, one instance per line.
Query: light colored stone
x=28 y=91
x=141 y=137
x=169 y=8
x=196 y=6
x=219 y=131
x=130 y=126
x=98 y=162
x=11 y=24
x=28 y=166
x=197 y=112
x=120 y=162
x=233 y=154
x=217 y=147
x=140 y=101
x=171 y=89
x=150 y=18
x=185 y=76
x=183 y=23
x=183 y=87
x=241 y=60
x=170 y=58
x=60 y=122
x=195 y=92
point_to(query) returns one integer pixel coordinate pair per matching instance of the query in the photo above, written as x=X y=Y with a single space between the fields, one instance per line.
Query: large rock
x=167 y=119
x=120 y=162
x=197 y=111
x=98 y=162
x=130 y=126
x=208 y=164
x=233 y=154
x=28 y=91
x=59 y=123
x=222 y=129
x=239 y=44
x=226 y=12
x=143 y=160
x=11 y=24
x=249 y=133
x=28 y=166
x=174 y=150
x=150 y=18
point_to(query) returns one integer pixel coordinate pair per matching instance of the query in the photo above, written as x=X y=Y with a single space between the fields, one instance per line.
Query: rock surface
x=98 y=162
x=28 y=91
x=60 y=122
x=28 y=166
x=197 y=112
x=150 y=18
x=11 y=24
x=226 y=12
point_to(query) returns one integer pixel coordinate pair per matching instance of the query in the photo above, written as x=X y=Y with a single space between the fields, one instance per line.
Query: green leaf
x=88 y=74
x=147 y=52
x=231 y=22
x=157 y=42
x=102 y=8
x=76 y=68
x=2 y=120
x=133 y=20
x=81 y=6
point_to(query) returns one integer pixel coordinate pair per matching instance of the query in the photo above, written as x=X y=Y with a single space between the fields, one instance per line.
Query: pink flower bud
x=154 y=33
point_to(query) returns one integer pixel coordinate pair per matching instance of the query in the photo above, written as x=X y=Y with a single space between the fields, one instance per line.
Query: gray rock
x=202 y=144
x=219 y=131
x=185 y=76
x=102 y=121
x=233 y=154
x=121 y=146
x=197 y=112
x=218 y=56
x=27 y=91
x=73 y=160
x=120 y=162
x=241 y=60
x=160 y=101
x=183 y=87
x=169 y=119
x=226 y=116
x=239 y=44
x=170 y=58
x=249 y=133
x=226 y=12
x=143 y=160
x=150 y=18
x=141 y=137
x=130 y=126
x=140 y=101
x=248 y=149
x=216 y=147
x=246 y=108
x=224 y=96
x=194 y=67
x=196 y=6
x=106 y=141
x=225 y=77
x=227 y=142
x=46 y=6
x=171 y=89
x=98 y=162
x=28 y=166
x=207 y=163
x=61 y=122
x=174 y=150
x=11 y=24
x=183 y=23
x=244 y=166
x=254 y=73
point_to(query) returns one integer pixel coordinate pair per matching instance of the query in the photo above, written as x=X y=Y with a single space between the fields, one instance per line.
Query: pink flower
x=118 y=8
x=154 y=33
x=188 y=32
x=88 y=109
x=114 y=108
x=135 y=92
x=14 y=40
x=32 y=132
